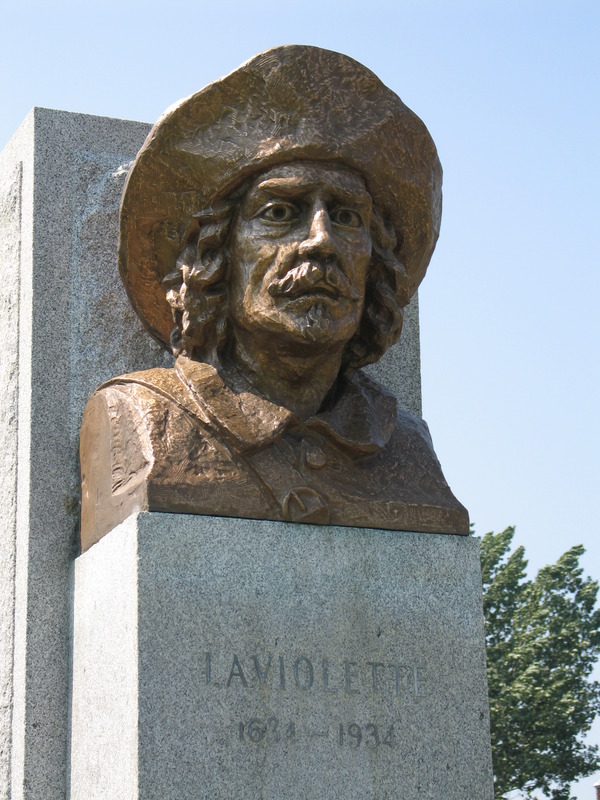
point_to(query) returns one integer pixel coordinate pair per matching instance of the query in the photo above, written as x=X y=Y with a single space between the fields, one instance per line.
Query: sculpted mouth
x=319 y=289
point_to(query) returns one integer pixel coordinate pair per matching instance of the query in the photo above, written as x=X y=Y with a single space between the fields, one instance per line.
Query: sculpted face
x=299 y=253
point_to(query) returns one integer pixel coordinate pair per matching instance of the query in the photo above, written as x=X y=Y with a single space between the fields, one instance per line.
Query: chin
x=318 y=328
x=322 y=322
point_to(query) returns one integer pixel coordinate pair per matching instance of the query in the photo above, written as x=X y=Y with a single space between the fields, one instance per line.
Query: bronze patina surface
x=273 y=227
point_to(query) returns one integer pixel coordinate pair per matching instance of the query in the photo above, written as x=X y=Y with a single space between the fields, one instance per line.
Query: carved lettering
x=326 y=677
x=417 y=683
x=354 y=735
x=314 y=673
x=350 y=675
x=237 y=672
x=308 y=673
x=262 y=676
x=398 y=670
x=281 y=673
x=374 y=665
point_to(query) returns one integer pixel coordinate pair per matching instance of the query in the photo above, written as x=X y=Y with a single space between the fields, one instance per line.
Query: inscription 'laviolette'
x=315 y=673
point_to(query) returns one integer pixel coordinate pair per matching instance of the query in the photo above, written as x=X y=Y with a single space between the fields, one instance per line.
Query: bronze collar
x=362 y=419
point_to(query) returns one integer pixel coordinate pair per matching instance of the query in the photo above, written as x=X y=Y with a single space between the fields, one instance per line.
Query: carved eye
x=279 y=212
x=346 y=218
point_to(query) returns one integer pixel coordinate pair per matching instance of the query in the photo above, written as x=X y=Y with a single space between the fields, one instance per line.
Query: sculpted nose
x=320 y=239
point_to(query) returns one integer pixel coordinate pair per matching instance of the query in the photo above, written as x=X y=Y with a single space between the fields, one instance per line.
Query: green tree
x=543 y=639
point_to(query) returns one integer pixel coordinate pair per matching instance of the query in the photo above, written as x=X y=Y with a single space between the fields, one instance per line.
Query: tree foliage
x=543 y=639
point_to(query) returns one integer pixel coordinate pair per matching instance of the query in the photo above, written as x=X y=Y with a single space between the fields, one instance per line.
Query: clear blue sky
x=509 y=310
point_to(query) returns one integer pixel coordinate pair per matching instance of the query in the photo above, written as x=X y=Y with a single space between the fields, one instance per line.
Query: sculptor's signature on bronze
x=273 y=227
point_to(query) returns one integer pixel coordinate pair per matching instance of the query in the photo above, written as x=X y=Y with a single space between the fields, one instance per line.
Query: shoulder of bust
x=154 y=379
x=408 y=427
x=156 y=389
x=150 y=384
x=413 y=425
x=412 y=431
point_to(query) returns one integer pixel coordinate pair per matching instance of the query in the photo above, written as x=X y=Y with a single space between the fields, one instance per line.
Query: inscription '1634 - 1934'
x=305 y=673
x=272 y=731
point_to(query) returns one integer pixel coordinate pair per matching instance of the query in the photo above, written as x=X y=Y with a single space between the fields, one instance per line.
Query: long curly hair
x=197 y=290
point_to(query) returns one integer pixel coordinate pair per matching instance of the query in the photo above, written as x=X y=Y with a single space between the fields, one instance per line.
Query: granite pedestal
x=228 y=658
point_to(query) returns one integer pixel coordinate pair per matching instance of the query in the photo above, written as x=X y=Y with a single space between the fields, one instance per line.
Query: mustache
x=314 y=276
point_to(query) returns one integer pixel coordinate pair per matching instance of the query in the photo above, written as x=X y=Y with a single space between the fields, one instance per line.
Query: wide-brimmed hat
x=287 y=104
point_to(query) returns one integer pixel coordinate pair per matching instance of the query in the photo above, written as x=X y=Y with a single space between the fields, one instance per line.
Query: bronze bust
x=273 y=227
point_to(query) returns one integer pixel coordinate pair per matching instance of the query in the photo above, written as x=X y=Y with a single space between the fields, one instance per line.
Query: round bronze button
x=315 y=457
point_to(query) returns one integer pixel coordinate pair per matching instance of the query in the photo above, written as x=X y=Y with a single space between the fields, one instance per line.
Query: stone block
x=227 y=658
x=66 y=327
